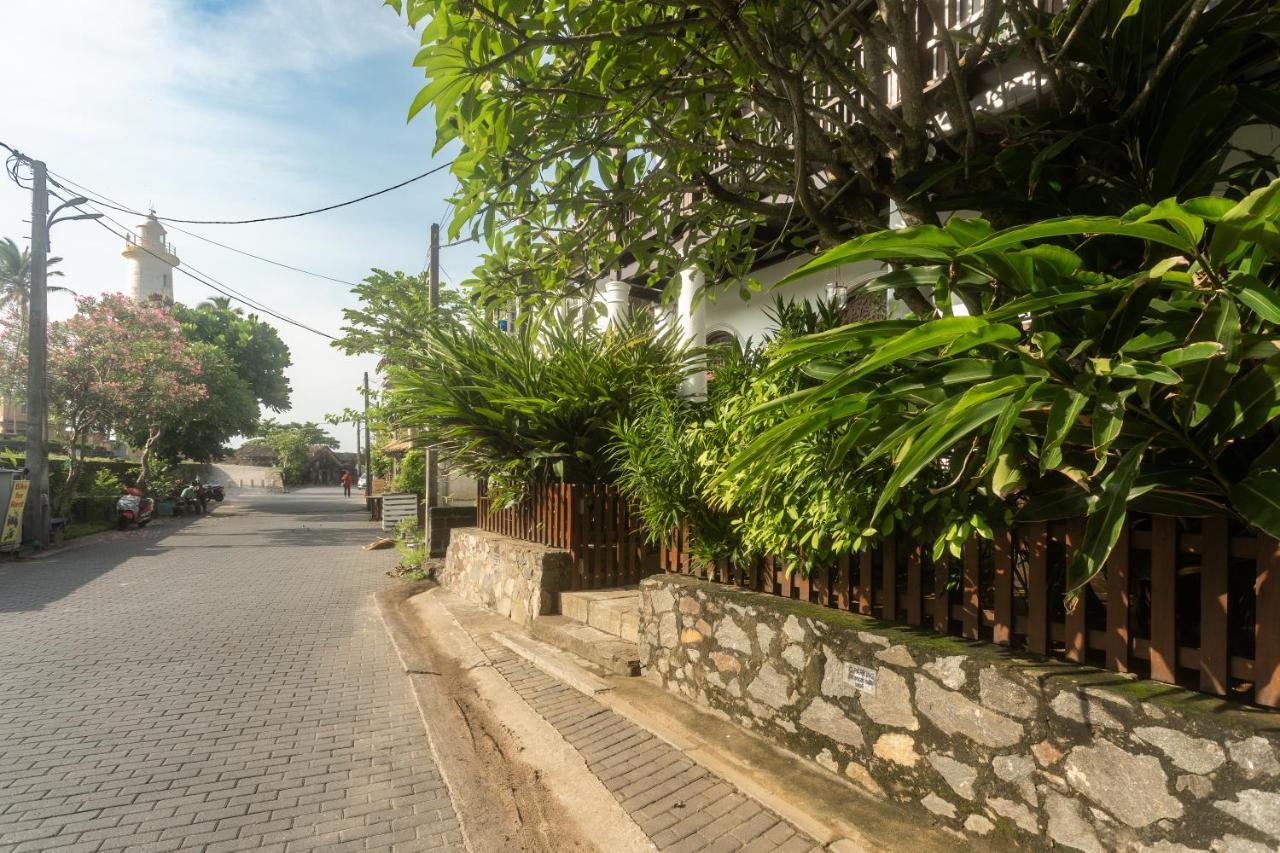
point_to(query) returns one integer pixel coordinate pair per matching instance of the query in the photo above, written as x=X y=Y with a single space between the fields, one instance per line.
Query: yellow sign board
x=11 y=530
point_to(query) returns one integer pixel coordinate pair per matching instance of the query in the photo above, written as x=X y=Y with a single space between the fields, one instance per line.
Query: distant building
x=323 y=466
x=13 y=418
x=259 y=455
x=152 y=260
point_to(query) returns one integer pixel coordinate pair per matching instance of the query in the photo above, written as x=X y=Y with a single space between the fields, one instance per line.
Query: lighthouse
x=152 y=260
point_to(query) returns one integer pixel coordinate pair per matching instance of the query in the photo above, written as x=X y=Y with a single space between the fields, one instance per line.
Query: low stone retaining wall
x=991 y=744
x=518 y=579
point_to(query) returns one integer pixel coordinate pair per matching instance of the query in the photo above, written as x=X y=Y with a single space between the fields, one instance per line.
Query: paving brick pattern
x=223 y=686
x=679 y=804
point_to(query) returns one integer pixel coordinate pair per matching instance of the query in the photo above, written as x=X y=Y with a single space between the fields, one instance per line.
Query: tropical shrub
x=534 y=404
x=660 y=454
x=1147 y=376
x=412 y=474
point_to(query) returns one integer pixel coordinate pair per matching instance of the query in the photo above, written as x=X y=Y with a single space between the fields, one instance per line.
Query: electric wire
x=209 y=281
x=256 y=220
x=103 y=200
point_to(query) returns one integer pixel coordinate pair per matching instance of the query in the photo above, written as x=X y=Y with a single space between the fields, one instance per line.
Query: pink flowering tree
x=123 y=366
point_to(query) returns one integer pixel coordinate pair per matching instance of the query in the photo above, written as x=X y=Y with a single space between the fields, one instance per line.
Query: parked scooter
x=134 y=507
x=215 y=492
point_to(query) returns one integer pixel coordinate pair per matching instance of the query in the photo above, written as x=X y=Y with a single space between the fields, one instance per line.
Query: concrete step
x=614 y=611
x=605 y=650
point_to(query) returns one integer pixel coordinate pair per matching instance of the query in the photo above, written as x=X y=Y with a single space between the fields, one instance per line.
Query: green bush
x=535 y=404
x=1148 y=377
x=412 y=475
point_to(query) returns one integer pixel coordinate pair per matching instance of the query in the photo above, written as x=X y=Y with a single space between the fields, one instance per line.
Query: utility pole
x=359 y=453
x=368 y=467
x=433 y=459
x=36 y=523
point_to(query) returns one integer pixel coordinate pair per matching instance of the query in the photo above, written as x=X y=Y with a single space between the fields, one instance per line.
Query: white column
x=896 y=309
x=616 y=297
x=691 y=321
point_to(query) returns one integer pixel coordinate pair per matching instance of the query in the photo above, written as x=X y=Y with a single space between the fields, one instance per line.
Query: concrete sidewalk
x=640 y=769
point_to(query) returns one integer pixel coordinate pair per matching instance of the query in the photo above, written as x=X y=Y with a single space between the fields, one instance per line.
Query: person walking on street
x=345 y=479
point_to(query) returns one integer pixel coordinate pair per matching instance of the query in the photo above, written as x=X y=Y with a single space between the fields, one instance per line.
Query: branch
x=1166 y=61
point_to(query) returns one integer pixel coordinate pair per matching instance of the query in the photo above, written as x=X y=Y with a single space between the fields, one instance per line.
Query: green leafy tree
x=311 y=432
x=228 y=409
x=253 y=348
x=598 y=135
x=292 y=450
x=393 y=308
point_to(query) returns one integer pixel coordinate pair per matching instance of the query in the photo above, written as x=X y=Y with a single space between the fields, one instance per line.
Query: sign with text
x=862 y=678
x=11 y=530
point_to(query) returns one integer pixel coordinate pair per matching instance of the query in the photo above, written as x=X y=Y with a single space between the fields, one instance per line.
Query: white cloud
x=230 y=110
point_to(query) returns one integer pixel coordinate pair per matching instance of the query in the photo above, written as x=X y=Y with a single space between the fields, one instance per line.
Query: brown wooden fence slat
x=1118 y=633
x=842 y=582
x=1267 y=626
x=821 y=580
x=802 y=583
x=1075 y=629
x=1036 y=539
x=889 y=573
x=1002 y=557
x=969 y=585
x=575 y=536
x=915 y=591
x=864 y=582
x=940 y=606
x=1164 y=646
x=610 y=525
x=1214 y=615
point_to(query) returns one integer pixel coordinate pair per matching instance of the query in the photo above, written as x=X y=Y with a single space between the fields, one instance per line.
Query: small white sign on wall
x=862 y=678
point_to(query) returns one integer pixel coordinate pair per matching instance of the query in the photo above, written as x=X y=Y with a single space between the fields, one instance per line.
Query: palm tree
x=15 y=275
x=222 y=303
x=15 y=272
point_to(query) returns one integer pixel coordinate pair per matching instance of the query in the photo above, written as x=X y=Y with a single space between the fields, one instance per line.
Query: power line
x=213 y=284
x=103 y=200
x=365 y=197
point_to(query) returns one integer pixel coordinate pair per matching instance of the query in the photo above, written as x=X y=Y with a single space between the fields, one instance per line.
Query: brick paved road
x=224 y=686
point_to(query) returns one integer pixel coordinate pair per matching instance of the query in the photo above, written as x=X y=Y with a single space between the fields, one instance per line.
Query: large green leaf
x=1067 y=406
x=1080 y=226
x=1252 y=402
x=926 y=336
x=1257 y=498
x=916 y=243
x=1261 y=299
x=1204 y=383
x=1105 y=521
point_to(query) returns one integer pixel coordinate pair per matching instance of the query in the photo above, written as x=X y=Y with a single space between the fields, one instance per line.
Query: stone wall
x=985 y=742
x=519 y=580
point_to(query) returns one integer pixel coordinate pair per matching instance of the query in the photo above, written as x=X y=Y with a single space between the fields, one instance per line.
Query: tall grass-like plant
x=1147 y=379
x=661 y=456
x=533 y=404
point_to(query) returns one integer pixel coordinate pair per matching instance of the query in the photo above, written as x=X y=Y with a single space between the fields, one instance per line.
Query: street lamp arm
x=55 y=221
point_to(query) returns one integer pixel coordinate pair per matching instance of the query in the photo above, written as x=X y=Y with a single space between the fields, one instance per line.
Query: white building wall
x=727 y=312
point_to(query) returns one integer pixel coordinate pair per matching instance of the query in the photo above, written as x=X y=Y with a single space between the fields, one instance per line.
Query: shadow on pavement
x=324 y=519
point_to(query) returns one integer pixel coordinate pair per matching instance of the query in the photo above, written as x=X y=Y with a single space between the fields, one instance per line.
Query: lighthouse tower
x=152 y=260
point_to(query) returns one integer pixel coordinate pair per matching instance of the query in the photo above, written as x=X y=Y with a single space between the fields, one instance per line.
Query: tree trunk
x=145 y=471
x=74 y=463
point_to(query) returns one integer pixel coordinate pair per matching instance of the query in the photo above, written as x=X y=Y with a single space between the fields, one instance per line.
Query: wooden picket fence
x=593 y=522
x=1194 y=602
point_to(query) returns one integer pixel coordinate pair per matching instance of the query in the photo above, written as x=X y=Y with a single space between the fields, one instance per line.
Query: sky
x=232 y=109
